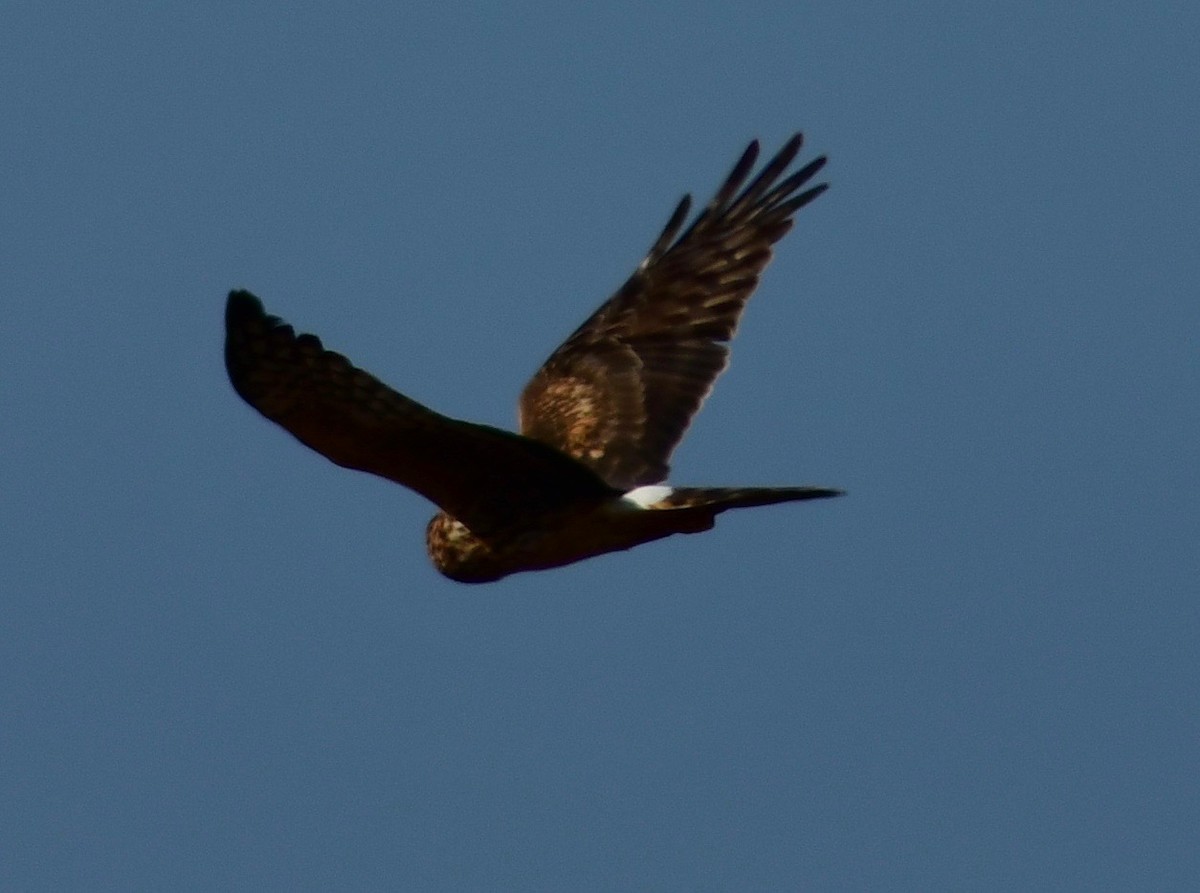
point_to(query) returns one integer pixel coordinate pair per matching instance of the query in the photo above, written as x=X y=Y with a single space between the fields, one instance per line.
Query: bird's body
x=611 y=523
x=598 y=421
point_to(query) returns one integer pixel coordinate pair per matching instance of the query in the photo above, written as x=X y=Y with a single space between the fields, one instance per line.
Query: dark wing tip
x=796 y=202
x=249 y=329
x=242 y=298
x=663 y=242
x=746 y=162
x=809 y=170
x=242 y=306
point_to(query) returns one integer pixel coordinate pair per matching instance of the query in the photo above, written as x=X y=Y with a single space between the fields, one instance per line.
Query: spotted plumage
x=598 y=421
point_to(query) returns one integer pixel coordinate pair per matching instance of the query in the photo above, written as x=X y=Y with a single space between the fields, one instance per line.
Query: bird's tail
x=719 y=499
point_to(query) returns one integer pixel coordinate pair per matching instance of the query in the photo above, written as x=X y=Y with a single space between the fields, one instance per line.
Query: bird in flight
x=598 y=422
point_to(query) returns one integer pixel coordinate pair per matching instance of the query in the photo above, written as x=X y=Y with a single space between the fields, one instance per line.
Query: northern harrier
x=598 y=421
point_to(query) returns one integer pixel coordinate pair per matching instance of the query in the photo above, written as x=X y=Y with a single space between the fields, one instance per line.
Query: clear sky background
x=226 y=664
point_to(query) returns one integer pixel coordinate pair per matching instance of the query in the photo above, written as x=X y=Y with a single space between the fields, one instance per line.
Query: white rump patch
x=644 y=497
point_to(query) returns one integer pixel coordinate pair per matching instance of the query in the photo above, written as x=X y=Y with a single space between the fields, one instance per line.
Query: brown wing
x=620 y=392
x=485 y=477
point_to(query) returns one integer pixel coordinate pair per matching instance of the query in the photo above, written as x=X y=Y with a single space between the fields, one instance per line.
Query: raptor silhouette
x=598 y=421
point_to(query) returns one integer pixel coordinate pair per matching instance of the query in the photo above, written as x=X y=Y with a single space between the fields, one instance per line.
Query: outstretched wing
x=620 y=392
x=484 y=477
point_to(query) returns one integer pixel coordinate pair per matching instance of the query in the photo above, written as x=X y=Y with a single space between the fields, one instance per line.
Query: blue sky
x=227 y=664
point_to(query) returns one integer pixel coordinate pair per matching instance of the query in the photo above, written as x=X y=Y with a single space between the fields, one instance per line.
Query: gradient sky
x=226 y=664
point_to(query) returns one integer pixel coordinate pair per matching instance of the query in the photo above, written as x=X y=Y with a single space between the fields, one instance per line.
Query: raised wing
x=620 y=392
x=485 y=477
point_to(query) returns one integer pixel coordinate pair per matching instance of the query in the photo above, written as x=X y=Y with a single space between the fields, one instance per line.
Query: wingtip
x=241 y=305
x=241 y=296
